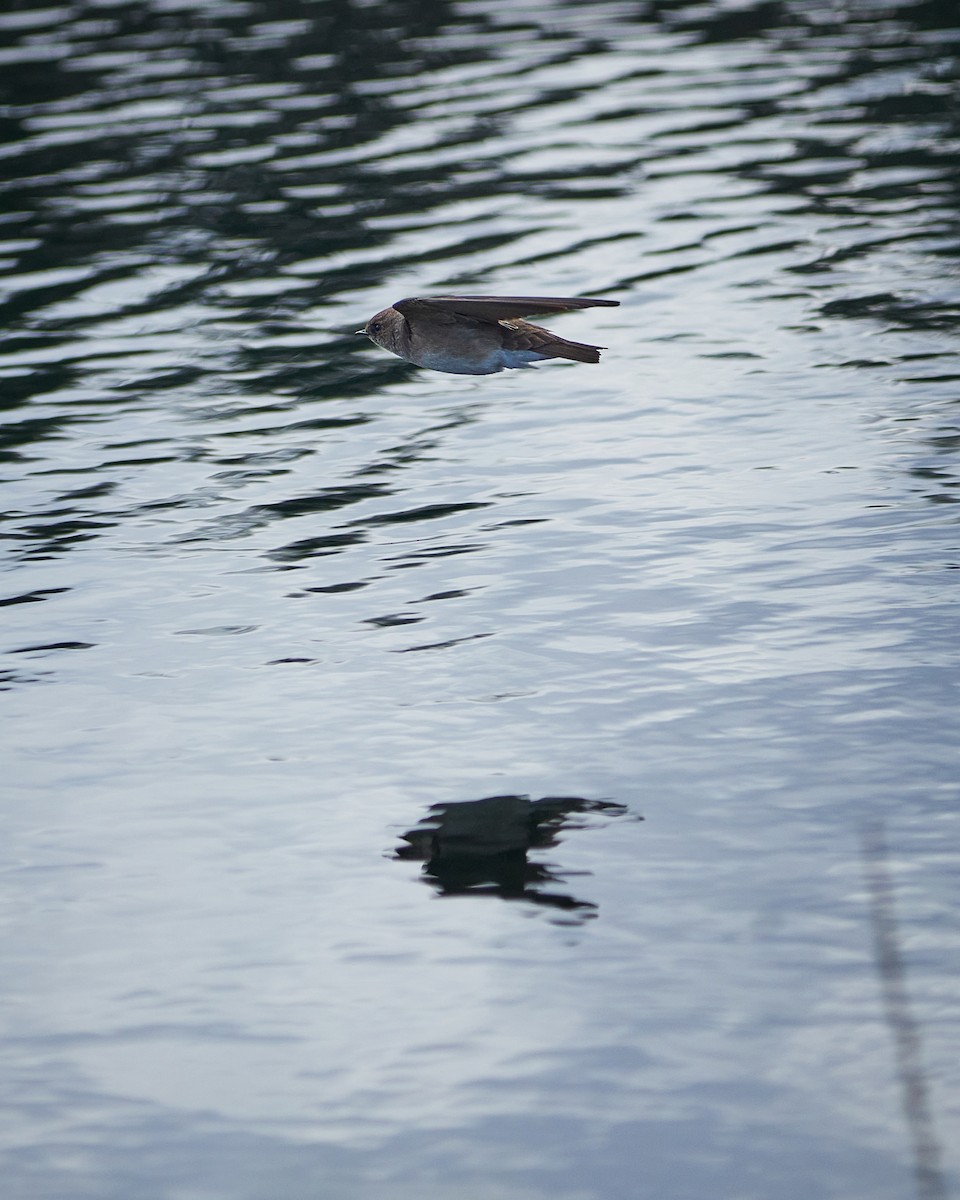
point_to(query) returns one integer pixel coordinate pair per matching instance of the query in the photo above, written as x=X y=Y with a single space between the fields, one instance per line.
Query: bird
x=477 y=335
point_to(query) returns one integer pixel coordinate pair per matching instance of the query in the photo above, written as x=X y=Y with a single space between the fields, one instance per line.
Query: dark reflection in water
x=906 y=1032
x=480 y=847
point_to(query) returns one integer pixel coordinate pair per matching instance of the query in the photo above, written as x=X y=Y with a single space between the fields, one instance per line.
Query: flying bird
x=477 y=335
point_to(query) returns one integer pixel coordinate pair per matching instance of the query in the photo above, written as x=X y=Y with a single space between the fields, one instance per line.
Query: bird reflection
x=480 y=847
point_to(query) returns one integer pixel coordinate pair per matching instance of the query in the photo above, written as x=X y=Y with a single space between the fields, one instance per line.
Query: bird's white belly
x=495 y=360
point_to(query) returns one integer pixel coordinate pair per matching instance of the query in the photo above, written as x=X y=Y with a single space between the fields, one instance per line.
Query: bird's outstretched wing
x=494 y=308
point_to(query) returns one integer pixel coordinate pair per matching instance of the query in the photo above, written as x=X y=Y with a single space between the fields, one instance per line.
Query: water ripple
x=320 y=592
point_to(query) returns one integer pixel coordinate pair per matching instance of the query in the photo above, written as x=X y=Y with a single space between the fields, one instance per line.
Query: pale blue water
x=270 y=594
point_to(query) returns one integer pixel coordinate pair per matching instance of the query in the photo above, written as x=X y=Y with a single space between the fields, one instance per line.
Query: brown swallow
x=477 y=335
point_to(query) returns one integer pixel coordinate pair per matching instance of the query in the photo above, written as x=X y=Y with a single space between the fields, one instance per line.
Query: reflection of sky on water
x=271 y=594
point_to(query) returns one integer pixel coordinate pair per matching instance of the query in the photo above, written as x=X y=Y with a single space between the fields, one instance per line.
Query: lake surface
x=542 y=786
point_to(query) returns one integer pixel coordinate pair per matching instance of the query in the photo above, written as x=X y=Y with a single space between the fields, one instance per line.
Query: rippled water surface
x=542 y=785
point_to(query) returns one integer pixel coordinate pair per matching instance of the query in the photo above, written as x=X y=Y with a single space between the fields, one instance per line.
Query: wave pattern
x=271 y=593
x=206 y=201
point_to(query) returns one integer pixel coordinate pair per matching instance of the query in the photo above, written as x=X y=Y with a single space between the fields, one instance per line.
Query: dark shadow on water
x=480 y=848
x=904 y=1028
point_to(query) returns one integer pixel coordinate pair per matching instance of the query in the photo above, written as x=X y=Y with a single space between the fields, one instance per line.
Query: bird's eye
x=376 y=326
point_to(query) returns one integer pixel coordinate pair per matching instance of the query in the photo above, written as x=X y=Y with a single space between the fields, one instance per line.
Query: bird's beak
x=363 y=331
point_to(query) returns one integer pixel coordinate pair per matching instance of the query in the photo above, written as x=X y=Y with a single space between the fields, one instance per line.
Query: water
x=270 y=595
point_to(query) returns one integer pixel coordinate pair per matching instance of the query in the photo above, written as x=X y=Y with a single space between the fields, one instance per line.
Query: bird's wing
x=493 y=308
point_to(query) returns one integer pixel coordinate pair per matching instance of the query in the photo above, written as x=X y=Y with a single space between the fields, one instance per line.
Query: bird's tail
x=576 y=351
x=524 y=336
